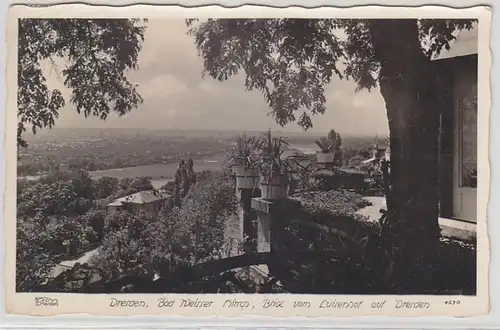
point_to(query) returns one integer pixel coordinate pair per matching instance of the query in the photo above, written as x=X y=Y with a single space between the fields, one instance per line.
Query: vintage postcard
x=248 y=161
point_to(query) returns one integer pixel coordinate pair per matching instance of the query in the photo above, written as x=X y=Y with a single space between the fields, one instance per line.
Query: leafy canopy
x=292 y=60
x=99 y=52
x=142 y=243
x=62 y=208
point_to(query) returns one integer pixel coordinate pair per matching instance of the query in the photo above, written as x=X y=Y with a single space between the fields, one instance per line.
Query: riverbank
x=156 y=172
x=161 y=173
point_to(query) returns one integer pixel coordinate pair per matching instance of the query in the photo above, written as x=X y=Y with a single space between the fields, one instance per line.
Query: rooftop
x=466 y=43
x=142 y=197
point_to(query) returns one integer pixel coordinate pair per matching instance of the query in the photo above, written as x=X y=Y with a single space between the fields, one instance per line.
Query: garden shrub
x=327 y=214
x=325 y=206
x=328 y=179
x=456 y=265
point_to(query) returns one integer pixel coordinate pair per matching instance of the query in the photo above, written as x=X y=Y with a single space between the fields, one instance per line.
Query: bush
x=58 y=213
x=456 y=263
x=145 y=244
x=374 y=179
x=332 y=203
x=339 y=179
x=328 y=218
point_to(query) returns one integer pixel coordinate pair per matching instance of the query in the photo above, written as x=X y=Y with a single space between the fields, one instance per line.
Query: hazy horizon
x=176 y=97
x=56 y=130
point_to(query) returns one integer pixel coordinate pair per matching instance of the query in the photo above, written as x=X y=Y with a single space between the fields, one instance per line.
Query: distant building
x=147 y=200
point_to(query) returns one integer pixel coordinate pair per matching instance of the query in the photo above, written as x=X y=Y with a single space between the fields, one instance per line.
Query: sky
x=176 y=97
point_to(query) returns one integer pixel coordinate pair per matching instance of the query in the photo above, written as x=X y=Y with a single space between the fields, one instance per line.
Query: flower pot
x=274 y=187
x=71 y=248
x=246 y=178
x=325 y=158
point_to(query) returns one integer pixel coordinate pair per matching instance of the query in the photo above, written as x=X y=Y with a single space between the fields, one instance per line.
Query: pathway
x=68 y=264
x=450 y=227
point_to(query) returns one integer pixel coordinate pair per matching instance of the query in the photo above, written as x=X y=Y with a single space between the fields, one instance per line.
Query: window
x=468 y=142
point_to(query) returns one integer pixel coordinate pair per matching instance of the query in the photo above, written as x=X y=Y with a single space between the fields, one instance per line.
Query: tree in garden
x=176 y=251
x=99 y=52
x=189 y=178
x=40 y=242
x=33 y=263
x=105 y=186
x=68 y=195
x=66 y=234
x=55 y=215
x=208 y=207
x=185 y=178
x=126 y=186
x=141 y=243
x=292 y=60
x=140 y=184
x=126 y=247
x=96 y=220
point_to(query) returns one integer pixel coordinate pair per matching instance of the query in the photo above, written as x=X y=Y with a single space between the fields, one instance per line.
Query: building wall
x=465 y=171
x=465 y=96
x=457 y=76
x=150 y=207
x=446 y=137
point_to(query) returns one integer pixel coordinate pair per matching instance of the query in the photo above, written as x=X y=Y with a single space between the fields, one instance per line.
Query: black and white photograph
x=319 y=156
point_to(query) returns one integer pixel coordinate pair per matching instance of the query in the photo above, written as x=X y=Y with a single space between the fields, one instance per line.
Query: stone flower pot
x=274 y=187
x=246 y=178
x=71 y=248
x=325 y=158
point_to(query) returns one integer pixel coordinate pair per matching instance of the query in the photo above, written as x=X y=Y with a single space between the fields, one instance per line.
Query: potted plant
x=243 y=160
x=330 y=148
x=274 y=180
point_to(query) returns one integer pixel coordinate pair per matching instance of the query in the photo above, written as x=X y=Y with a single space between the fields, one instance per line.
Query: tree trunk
x=409 y=88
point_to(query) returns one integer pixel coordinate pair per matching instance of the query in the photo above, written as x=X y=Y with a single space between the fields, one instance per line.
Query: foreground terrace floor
x=451 y=228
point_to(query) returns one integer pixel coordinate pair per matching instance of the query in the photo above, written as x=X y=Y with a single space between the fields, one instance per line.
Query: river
x=159 y=173
x=162 y=173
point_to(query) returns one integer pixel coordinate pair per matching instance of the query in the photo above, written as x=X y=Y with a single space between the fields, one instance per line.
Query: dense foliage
x=141 y=243
x=59 y=215
x=335 y=202
x=99 y=54
x=337 y=209
x=292 y=60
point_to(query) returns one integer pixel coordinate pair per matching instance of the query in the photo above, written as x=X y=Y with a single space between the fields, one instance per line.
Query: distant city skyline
x=58 y=130
x=176 y=97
